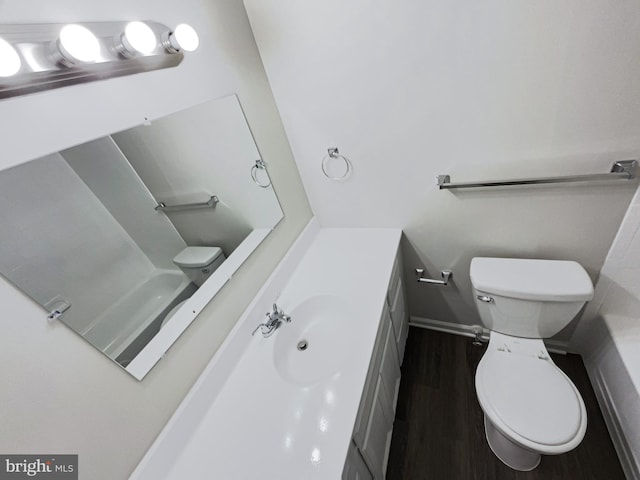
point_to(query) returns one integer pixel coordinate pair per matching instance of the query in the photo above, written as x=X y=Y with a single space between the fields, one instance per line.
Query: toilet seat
x=527 y=397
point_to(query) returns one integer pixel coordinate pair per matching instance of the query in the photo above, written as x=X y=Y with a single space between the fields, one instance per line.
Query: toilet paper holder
x=446 y=276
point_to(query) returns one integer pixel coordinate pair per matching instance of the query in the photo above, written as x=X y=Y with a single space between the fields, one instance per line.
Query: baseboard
x=448 y=327
x=555 y=346
x=614 y=422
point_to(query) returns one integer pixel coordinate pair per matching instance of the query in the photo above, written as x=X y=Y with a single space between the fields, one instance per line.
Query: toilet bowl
x=531 y=408
x=198 y=263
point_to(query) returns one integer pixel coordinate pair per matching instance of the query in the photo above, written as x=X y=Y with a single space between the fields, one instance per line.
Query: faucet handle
x=279 y=313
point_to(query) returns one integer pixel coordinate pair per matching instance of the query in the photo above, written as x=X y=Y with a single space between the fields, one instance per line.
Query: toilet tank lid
x=530 y=279
x=195 y=257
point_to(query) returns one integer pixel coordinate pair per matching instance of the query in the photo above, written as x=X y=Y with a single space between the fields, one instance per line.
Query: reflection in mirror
x=125 y=238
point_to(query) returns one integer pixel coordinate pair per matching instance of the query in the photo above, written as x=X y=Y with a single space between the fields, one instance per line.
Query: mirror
x=126 y=238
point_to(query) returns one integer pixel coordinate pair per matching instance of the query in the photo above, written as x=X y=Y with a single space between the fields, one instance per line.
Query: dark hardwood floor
x=439 y=432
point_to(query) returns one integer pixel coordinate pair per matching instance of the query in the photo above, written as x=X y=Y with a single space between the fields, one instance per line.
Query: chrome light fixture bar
x=41 y=57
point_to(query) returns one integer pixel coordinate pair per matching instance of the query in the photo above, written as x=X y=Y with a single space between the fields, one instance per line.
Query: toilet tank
x=527 y=297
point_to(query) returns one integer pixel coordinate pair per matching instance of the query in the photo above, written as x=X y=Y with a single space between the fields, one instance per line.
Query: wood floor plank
x=439 y=431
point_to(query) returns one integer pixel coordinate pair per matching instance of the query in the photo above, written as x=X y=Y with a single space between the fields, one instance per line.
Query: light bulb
x=184 y=37
x=139 y=37
x=10 y=62
x=78 y=44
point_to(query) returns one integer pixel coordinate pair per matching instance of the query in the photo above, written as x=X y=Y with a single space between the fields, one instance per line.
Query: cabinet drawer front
x=395 y=278
x=402 y=341
x=400 y=320
x=359 y=430
x=397 y=309
x=390 y=371
x=379 y=425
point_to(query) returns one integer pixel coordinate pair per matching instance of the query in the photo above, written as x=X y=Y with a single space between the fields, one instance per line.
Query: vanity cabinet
x=374 y=423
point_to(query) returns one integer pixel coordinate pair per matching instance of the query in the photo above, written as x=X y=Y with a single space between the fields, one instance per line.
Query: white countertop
x=261 y=426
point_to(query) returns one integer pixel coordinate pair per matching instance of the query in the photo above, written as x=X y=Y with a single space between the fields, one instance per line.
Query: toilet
x=197 y=263
x=531 y=408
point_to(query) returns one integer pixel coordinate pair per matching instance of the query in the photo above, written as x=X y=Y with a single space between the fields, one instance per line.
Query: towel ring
x=335 y=153
x=260 y=165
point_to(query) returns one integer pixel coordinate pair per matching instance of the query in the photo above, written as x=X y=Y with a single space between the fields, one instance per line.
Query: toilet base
x=511 y=454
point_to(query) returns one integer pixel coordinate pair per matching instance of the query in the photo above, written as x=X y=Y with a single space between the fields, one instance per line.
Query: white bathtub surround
x=614 y=370
x=101 y=159
x=120 y=324
x=66 y=224
x=609 y=336
x=277 y=418
x=625 y=334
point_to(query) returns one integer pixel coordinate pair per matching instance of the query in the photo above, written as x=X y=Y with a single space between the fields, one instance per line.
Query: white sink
x=317 y=342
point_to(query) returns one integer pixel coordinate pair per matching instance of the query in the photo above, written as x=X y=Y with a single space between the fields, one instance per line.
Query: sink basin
x=317 y=342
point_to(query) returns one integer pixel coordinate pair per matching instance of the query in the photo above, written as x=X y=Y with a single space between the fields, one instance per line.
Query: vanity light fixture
x=184 y=37
x=10 y=62
x=41 y=57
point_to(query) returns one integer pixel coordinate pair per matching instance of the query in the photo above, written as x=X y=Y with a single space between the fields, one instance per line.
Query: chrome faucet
x=274 y=320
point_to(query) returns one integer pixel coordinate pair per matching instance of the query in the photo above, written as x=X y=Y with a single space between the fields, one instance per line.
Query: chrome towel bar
x=621 y=170
x=187 y=206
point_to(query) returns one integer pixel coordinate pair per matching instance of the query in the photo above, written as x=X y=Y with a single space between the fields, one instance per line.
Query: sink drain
x=303 y=345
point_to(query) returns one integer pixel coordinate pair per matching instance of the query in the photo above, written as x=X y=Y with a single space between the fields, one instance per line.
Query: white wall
x=412 y=89
x=58 y=394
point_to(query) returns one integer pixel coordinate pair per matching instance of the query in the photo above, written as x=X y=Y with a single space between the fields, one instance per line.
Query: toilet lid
x=529 y=396
x=196 y=257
